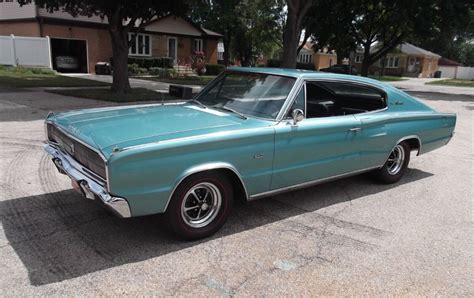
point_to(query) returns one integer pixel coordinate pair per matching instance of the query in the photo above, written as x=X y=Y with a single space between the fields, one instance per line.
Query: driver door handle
x=355 y=129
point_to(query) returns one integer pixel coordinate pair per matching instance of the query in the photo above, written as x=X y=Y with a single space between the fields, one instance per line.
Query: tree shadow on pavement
x=59 y=236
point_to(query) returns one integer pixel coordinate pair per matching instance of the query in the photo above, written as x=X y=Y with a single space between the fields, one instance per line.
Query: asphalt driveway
x=349 y=237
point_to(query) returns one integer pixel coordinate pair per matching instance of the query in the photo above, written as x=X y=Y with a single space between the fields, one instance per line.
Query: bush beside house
x=214 y=69
x=151 y=62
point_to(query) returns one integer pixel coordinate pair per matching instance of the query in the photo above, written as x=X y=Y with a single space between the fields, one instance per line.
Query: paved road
x=350 y=237
x=135 y=83
x=418 y=85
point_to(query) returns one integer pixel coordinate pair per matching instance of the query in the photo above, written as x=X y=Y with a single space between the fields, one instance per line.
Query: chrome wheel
x=395 y=160
x=201 y=204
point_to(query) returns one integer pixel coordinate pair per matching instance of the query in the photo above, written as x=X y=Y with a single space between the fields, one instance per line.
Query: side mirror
x=298 y=116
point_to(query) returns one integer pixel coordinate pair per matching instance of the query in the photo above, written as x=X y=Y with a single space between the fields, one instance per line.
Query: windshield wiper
x=198 y=103
x=232 y=111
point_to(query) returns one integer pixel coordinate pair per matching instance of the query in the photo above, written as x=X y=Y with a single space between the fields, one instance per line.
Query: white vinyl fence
x=457 y=72
x=25 y=51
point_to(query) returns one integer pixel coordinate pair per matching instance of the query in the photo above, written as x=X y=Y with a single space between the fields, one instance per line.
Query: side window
x=326 y=99
x=299 y=102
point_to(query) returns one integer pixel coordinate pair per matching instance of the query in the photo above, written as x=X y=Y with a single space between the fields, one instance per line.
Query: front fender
x=206 y=167
x=148 y=175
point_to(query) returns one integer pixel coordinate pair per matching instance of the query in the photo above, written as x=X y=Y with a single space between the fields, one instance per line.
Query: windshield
x=249 y=94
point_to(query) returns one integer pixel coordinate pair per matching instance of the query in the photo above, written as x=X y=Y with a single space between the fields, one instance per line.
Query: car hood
x=109 y=128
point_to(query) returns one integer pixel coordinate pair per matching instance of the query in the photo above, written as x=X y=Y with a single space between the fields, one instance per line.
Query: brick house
x=87 y=38
x=321 y=58
x=406 y=60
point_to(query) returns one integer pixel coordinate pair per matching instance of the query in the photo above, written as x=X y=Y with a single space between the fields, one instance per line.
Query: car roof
x=309 y=74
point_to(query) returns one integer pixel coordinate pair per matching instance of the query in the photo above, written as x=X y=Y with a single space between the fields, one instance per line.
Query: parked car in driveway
x=342 y=69
x=66 y=63
x=250 y=133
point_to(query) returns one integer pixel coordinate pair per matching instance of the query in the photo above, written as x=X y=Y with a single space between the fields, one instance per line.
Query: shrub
x=214 y=69
x=151 y=62
x=163 y=72
x=274 y=63
x=135 y=69
x=307 y=66
x=198 y=62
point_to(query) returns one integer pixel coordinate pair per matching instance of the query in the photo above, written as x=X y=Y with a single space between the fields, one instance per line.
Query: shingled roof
x=410 y=49
x=447 y=62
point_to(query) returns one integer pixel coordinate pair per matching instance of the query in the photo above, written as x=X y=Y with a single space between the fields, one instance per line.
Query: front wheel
x=396 y=164
x=200 y=205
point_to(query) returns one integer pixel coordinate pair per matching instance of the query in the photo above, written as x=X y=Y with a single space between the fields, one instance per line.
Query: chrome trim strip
x=289 y=99
x=308 y=184
x=68 y=166
x=203 y=168
x=302 y=80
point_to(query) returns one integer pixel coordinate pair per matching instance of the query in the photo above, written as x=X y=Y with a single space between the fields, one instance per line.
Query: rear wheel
x=396 y=164
x=200 y=205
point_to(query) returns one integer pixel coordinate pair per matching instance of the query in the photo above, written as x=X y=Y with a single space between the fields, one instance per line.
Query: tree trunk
x=226 y=54
x=119 y=37
x=303 y=43
x=364 y=71
x=291 y=36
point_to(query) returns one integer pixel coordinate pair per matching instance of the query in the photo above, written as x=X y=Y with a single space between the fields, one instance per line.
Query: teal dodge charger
x=250 y=133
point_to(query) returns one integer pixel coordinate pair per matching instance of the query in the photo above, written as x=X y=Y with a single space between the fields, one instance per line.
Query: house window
x=197 y=45
x=140 y=44
x=220 y=55
x=390 y=62
x=358 y=58
x=305 y=58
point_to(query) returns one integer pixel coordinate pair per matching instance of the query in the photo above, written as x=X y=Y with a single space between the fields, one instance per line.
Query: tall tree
x=381 y=25
x=297 y=10
x=122 y=16
x=328 y=24
x=259 y=31
x=249 y=27
x=450 y=31
x=220 y=16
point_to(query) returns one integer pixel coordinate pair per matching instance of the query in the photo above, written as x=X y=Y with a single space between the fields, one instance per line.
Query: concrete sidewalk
x=418 y=85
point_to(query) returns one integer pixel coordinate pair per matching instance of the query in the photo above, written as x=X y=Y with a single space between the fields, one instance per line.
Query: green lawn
x=20 y=77
x=187 y=80
x=137 y=94
x=453 y=82
x=387 y=78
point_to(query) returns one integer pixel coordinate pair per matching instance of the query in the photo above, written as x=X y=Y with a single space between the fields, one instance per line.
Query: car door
x=314 y=148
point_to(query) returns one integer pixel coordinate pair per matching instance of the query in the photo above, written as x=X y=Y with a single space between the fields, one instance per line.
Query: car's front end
x=85 y=165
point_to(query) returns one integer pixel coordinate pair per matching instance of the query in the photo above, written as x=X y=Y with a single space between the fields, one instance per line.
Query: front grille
x=87 y=157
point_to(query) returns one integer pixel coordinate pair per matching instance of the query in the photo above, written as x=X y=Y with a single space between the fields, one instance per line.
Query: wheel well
x=240 y=194
x=414 y=144
x=238 y=187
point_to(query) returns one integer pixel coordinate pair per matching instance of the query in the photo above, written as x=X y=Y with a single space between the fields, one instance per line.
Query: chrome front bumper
x=91 y=187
